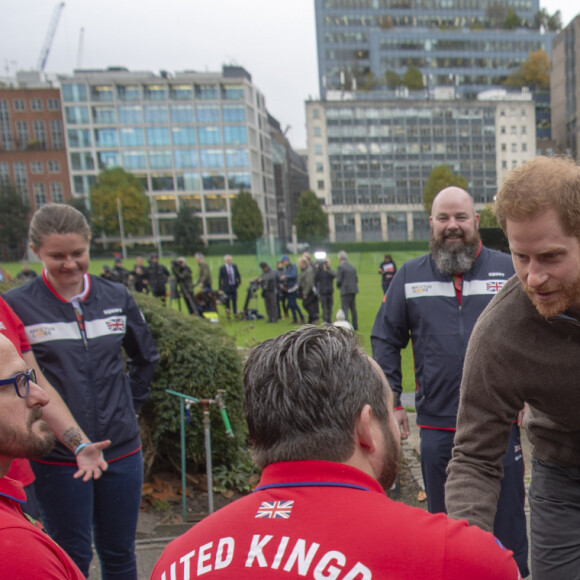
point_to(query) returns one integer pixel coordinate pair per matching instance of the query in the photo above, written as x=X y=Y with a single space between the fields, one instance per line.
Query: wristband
x=81 y=447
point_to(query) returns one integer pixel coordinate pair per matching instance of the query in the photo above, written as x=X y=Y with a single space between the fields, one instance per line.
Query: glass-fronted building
x=459 y=43
x=193 y=139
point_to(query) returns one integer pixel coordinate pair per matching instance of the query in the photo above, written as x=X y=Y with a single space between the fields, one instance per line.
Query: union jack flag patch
x=275 y=509
x=116 y=324
x=495 y=286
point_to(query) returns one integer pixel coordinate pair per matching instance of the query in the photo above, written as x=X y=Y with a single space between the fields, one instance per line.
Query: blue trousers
x=73 y=511
x=294 y=308
x=510 y=520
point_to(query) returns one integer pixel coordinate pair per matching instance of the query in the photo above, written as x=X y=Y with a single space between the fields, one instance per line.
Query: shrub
x=197 y=358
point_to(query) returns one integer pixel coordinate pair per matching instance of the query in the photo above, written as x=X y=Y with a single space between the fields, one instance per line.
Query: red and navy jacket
x=425 y=306
x=319 y=519
x=81 y=357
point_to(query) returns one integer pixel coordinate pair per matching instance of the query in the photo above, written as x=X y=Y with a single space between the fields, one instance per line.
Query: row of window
x=39 y=193
x=35 y=104
x=137 y=114
x=162 y=159
x=483 y=5
x=37 y=167
x=159 y=136
x=79 y=92
x=32 y=135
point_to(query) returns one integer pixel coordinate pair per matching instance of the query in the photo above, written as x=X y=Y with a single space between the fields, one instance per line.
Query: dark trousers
x=327 y=303
x=510 y=520
x=555 y=519
x=105 y=510
x=231 y=293
x=271 y=307
x=348 y=303
x=311 y=306
x=294 y=308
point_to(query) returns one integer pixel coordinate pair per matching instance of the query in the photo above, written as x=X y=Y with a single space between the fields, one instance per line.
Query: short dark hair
x=303 y=391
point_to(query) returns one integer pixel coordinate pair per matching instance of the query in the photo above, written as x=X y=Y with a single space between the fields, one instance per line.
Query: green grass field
x=247 y=333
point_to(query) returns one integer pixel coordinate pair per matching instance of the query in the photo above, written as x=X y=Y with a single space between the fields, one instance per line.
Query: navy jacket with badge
x=90 y=375
x=422 y=305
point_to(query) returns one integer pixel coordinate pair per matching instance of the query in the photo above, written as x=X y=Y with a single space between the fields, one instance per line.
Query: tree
x=311 y=220
x=14 y=218
x=80 y=204
x=487 y=218
x=117 y=184
x=496 y=13
x=553 y=23
x=512 y=20
x=413 y=79
x=393 y=79
x=247 y=222
x=534 y=72
x=187 y=231
x=441 y=176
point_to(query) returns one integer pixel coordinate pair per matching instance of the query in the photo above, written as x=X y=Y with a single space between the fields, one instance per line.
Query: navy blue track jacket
x=422 y=305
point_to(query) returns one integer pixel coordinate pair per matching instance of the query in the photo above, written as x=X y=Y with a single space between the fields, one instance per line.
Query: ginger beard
x=391 y=461
x=567 y=294
x=35 y=441
x=453 y=251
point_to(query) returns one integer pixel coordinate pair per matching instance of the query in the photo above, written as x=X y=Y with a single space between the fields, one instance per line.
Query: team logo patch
x=116 y=324
x=277 y=510
x=41 y=331
x=494 y=286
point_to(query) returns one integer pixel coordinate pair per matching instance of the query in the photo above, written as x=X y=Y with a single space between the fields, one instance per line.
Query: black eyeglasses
x=21 y=382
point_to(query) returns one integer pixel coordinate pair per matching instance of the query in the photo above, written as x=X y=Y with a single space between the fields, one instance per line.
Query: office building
x=565 y=89
x=193 y=139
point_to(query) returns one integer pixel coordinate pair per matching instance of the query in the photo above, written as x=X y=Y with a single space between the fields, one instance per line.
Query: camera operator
x=324 y=280
x=183 y=280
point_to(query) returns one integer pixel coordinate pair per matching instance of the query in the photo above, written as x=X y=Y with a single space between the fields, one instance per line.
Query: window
x=108 y=159
x=185 y=158
x=524 y=147
x=233 y=92
x=209 y=135
x=39 y=133
x=504 y=164
x=237 y=158
x=82 y=160
x=319 y=167
x=55 y=188
x=503 y=130
x=213 y=181
x=74 y=93
x=318 y=149
x=188 y=182
x=233 y=114
x=320 y=184
x=19 y=105
x=36 y=167
x=77 y=115
x=217 y=226
x=158 y=136
x=53 y=166
x=182 y=114
x=22 y=133
x=317 y=132
x=106 y=138
x=162 y=182
x=208 y=114
x=206 y=92
x=211 y=158
x=104 y=115
x=316 y=113
x=514 y=147
x=36 y=104
x=20 y=176
x=130 y=114
x=53 y=104
x=4 y=172
x=134 y=160
x=524 y=130
x=102 y=93
x=513 y=130
x=39 y=194
x=215 y=203
x=239 y=181
x=129 y=93
x=160 y=159
x=79 y=137
x=183 y=135
x=56 y=136
x=235 y=135
x=132 y=137
x=504 y=147
x=181 y=92
x=155 y=93
x=156 y=114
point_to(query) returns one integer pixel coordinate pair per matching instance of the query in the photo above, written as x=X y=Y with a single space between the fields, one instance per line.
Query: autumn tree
x=311 y=220
x=117 y=184
x=247 y=221
x=441 y=176
x=534 y=72
x=187 y=230
x=413 y=79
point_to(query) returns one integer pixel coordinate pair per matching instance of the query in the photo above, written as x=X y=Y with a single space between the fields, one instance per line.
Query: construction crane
x=49 y=37
x=80 y=48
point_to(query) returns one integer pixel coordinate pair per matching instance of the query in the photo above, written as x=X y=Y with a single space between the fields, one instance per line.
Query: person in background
x=157 y=276
x=308 y=290
x=524 y=349
x=106 y=273
x=290 y=277
x=91 y=323
x=434 y=301
x=26 y=273
x=387 y=270
x=347 y=282
x=183 y=279
x=204 y=280
x=120 y=274
x=324 y=282
x=282 y=291
x=5 y=275
x=139 y=278
x=320 y=419
x=268 y=282
x=26 y=550
x=229 y=281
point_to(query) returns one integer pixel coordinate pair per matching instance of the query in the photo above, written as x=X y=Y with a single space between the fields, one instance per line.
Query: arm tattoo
x=72 y=438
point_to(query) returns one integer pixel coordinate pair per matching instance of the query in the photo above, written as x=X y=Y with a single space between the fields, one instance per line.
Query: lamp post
x=121 y=229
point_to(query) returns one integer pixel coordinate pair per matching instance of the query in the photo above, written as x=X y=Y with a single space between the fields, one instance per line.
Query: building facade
x=459 y=43
x=565 y=89
x=193 y=139
x=369 y=160
x=32 y=143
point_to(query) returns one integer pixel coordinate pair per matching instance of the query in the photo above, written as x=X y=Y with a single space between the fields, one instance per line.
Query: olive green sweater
x=515 y=355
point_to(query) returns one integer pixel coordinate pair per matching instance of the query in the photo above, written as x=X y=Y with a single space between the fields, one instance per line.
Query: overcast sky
x=273 y=39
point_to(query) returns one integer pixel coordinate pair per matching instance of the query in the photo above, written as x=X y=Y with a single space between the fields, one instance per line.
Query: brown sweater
x=514 y=356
